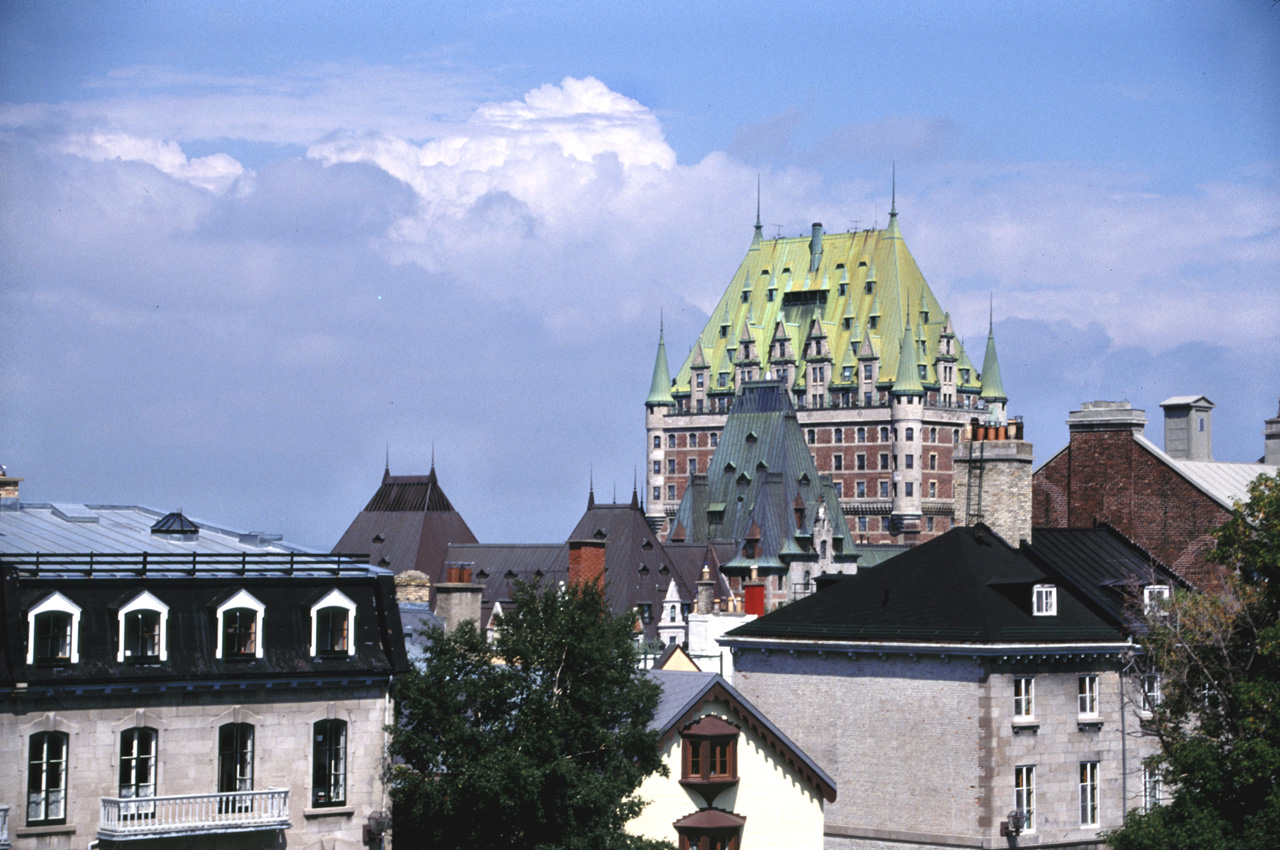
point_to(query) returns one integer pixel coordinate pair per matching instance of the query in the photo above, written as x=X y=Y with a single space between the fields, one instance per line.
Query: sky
x=250 y=250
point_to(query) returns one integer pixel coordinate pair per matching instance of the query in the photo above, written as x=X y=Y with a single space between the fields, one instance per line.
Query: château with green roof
x=882 y=387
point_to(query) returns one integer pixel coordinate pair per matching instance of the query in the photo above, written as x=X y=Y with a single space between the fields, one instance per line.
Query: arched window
x=47 y=779
x=137 y=771
x=884 y=434
x=839 y=435
x=812 y=436
x=333 y=622
x=143 y=625
x=911 y=434
x=53 y=632
x=240 y=627
x=862 y=435
x=329 y=763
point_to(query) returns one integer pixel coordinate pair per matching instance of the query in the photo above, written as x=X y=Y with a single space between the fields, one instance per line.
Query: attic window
x=1153 y=597
x=744 y=478
x=1046 y=600
x=751 y=436
x=378 y=538
x=644 y=571
x=646 y=545
x=761 y=466
x=510 y=574
x=871 y=286
x=333 y=622
x=804 y=478
x=873 y=321
x=664 y=570
x=482 y=575
x=729 y=467
x=848 y=323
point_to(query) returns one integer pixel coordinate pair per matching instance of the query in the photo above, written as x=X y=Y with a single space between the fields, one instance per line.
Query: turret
x=992 y=386
x=907 y=412
x=659 y=403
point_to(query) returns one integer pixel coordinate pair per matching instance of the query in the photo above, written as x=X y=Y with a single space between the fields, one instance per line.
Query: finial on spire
x=759 y=234
x=433 y=455
x=991 y=314
x=591 y=487
x=387 y=468
x=893 y=204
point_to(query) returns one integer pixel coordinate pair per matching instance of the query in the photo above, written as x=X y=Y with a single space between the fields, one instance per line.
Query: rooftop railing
x=193 y=814
x=73 y=564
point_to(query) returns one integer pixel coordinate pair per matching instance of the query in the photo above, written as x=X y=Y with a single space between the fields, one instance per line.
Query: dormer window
x=142 y=629
x=1153 y=597
x=333 y=621
x=710 y=756
x=1046 y=600
x=872 y=322
x=240 y=627
x=53 y=632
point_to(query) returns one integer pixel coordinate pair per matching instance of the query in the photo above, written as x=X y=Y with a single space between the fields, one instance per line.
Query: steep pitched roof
x=964 y=587
x=684 y=694
x=660 y=386
x=992 y=384
x=407 y=525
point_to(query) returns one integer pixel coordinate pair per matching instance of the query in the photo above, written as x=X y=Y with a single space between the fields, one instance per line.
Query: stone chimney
x=1271 y=440
x=413 y=586
x=457 y=598
x=586 y=562
x=993 y=485
x=1188 y=431
x=8 y=489
x=815 y=247
x=706 y=591
x=1107 y=416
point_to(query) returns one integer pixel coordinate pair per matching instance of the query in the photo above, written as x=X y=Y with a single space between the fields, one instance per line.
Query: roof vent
x=175 y=523
x=68 y=512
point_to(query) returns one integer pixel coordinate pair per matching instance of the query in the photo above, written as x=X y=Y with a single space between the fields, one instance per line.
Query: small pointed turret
x=660 y=387
x=907 y=381
x=992 y=385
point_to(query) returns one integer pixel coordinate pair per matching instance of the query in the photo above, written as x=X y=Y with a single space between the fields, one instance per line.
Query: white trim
x=144 y=601
x=1027 y=699
x=1153 y=595
x=335 y=599
x=243 y=599
x=1049 y=608
x=1087 y=696
x=973 y=649
x=54 y=602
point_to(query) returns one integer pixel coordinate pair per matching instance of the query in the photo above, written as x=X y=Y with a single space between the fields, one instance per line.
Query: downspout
x=1124 y=742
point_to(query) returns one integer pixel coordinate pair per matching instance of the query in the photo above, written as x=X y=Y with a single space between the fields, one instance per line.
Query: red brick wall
x=1107 y=476
x=586 y=561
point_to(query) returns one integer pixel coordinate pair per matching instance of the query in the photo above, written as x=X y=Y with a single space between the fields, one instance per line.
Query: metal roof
x=1226 y=483
x=60 y=527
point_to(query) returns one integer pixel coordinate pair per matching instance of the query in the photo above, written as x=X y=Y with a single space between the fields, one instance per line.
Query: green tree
x=1218 y=655
x=538 y=740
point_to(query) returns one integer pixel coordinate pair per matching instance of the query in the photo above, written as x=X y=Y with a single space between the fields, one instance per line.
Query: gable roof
x=684 y=694
x=964 y=587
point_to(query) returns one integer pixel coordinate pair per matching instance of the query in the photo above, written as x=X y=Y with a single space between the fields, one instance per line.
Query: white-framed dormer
x=235 y=607
x=136 y=628
x=341 y=628
x=1153 y=596
x=59 y=631
x=1044 y=600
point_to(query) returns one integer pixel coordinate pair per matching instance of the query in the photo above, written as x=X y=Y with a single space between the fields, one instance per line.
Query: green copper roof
x=660 y=387
x=992 y=386
x=908 y=380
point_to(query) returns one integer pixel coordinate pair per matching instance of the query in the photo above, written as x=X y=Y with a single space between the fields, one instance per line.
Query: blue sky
x=245 y=246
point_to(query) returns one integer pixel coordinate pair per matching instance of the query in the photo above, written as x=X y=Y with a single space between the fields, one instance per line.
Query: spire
x=891 y=230
x=907 y=381
x=635 y=492
x=591 y=487
x=755 y=240
x=992 y=385
x=660 y=386
x=386 y=470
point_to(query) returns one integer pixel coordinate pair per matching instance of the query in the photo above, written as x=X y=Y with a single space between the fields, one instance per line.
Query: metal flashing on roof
x=72 y=512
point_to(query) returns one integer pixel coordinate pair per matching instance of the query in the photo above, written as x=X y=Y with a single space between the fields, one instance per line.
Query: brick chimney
x=457 y=598
x=8 y=489
x=586 y=562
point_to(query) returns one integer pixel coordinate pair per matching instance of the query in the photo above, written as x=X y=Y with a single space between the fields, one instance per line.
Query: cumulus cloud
x=216 y=172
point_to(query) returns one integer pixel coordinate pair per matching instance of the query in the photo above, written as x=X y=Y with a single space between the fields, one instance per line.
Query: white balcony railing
x=193 y=814
x=4 y=826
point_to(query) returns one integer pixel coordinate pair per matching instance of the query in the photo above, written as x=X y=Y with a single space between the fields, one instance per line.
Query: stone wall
x=187 y=743
x=993 y=484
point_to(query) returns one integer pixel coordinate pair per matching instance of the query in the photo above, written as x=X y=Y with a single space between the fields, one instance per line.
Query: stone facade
x=925 y=747
x=993 y=486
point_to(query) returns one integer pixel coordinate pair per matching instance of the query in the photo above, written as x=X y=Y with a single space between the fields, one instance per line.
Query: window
x=657 y=441
x=866 y=371
x=240 y=627
x=884 y=434
x=645 y=610
x=837 y=462
x=1088 y=793
x=884 y=489
x=1024 y=693
x=1150 y=786
x=933 y=435
x=811 y=436
x=333 y=621
x=671 y=441
x=53 y=632
x=715 y=438
x=1088 y=695
x=657 y=467
x=933 y=489
x=657 y=493
x=1153 y=597
x=1046 y=600
x=699 y=405
x=862 y=435
x=862 y=490
x=839 y=489
x=710 y=752
x=329 y=763
x=909 y=461
x=693 y=465
x=143 y=625
x=235 y=765
x=693 y=441
x=671 y=492
x=1200 y=424
x=1024 y=794
x=911 y=434
x=1151 y=692
x=671 y=466
x=955 y=436
x=722 y=380
x=839 y=435
x=911 y=489
x=928 y=523
x=47 y=779
x=862 y=523
x=860 y=461
x=884 y=460
x=933 y=460
x=137 y=772
x=699 y=379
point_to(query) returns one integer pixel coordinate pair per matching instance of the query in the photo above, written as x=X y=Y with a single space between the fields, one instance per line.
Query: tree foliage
x=538 y=740
x=1219 y=721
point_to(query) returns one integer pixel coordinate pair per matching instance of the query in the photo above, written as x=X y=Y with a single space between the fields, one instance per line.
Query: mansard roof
x=880 y=256
x=407 y=525
x=761 y=466
x=964 y=587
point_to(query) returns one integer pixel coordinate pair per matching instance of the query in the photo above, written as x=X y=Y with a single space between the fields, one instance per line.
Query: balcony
x=193 y=814
x=4 y=827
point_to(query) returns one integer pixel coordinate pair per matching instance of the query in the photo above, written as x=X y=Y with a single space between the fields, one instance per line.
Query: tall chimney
x=993 y=486
x=586 y=562
x=8 y=489
x=1188 y=431
x=1271 y=441
x=458 y=600
x=815 y=247
x=706 y=590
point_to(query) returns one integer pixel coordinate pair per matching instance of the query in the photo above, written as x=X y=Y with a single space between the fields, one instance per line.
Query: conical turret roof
x=660 y=386
x=907 y=381
x=992 y=385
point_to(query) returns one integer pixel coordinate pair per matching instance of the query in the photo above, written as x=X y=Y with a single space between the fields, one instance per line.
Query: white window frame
x=334 y=599
x=1024 y=697
x=1044 y=600
x=1152 y=692
x=1152 y=595
x=1024 y=794
x=1089 y=794
x=54 y=602
x=1152 y=792
x=243 y=599
x=1087 y=695
x=144 y=601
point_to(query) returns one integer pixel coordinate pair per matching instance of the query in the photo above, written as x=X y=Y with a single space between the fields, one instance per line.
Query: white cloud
x=216 y=172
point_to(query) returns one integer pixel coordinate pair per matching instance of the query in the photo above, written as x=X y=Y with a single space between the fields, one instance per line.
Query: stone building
x=1167 y=501
x=964 y=681
x=881 y=385
x=162 y=679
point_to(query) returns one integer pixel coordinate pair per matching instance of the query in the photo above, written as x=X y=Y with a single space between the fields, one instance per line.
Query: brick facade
x=1108 y=476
